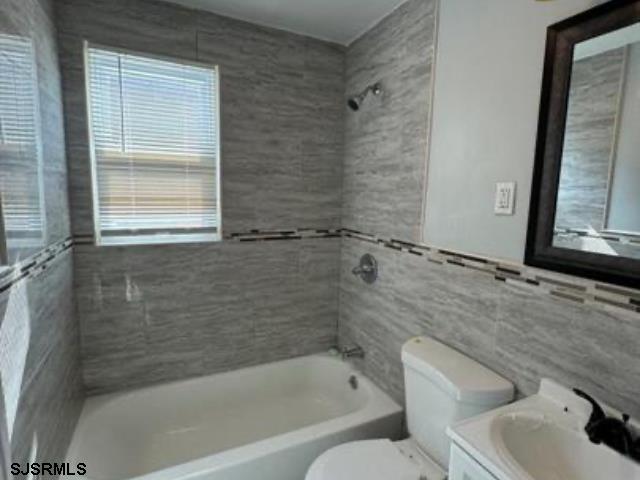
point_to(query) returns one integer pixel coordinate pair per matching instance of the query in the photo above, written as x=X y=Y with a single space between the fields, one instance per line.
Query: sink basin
x=539 y=447
x=540 y=437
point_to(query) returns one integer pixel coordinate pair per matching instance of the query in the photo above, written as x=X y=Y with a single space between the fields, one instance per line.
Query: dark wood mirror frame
x=540 y=252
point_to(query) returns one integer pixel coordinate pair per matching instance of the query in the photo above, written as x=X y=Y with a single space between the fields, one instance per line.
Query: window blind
x=20 y=150
x=154 y=127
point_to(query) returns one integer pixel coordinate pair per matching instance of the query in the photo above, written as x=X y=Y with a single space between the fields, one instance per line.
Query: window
x=155 y=149
x=22 y=222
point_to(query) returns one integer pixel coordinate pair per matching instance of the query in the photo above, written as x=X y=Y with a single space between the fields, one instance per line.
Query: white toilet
x=442 y=387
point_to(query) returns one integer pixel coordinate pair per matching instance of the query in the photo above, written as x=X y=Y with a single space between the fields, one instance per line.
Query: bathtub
x=267 y=422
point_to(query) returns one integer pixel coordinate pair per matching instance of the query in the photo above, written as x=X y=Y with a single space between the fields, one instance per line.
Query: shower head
x=356 y=101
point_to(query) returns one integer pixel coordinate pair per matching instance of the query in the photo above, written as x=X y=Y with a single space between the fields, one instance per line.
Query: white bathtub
x=267 y=422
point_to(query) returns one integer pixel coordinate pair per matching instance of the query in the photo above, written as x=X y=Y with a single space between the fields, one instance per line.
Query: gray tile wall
x=151 y=314
x=281 y=102
x=156 y=313
x=521 y=333
x=41 y=331
x=386 y=141
x=524 y=334
x=589 y=140
x=39 y=354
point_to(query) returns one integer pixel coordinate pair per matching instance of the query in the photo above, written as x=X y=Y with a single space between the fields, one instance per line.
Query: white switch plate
x=505 y=198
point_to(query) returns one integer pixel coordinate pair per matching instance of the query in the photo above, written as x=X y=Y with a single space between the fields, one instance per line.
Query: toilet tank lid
x=465 y=379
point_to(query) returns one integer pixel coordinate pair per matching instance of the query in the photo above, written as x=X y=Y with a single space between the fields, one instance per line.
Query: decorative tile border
x=34 y=265
x=85 y=239
x=633 y=240
x=252 y=235
x=562 y=286
x=568 y=288
x=274 y=235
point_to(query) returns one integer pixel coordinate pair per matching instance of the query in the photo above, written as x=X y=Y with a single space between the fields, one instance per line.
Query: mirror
x=585 y=210
x=598 y=199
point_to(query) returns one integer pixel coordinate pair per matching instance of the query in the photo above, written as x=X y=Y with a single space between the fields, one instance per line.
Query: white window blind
x=154 y=127
x=21 y=194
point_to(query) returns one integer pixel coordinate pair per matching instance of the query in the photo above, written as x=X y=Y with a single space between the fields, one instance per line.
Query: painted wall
x=150 y=314
x=485 y=114
x=40 y=391
x=525 y=324
x=625 y=188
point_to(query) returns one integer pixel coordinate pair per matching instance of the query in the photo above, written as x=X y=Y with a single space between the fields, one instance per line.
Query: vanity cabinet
x=463 y=467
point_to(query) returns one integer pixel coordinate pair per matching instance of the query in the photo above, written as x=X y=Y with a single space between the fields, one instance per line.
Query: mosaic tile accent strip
x=568 y=288
x=33 y=266
x=83 y=239
x=608 y=236
x=270 y=235
x=562 y=286
x=252 y=235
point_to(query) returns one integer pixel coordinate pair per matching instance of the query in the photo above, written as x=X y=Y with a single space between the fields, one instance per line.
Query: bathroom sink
x=541 y=437
x=539 y=448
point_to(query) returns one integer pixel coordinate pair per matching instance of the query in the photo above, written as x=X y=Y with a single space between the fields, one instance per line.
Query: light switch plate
x=505 y=198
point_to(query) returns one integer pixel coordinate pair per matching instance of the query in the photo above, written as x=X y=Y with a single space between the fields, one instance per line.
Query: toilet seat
x=375 y=460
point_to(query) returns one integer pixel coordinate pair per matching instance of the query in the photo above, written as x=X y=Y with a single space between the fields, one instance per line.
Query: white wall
x=485 y=113
x=624 y=209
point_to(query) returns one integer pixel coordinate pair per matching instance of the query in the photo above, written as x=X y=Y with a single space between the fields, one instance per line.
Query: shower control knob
x=367 y=270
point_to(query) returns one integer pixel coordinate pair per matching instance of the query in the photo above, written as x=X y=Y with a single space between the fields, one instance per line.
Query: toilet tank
x=442 y=387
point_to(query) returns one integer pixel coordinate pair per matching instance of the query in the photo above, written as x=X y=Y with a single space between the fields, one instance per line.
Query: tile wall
x=151 y=314
x=40 y=386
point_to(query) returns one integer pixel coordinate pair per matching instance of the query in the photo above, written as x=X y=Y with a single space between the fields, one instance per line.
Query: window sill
x=175 y=239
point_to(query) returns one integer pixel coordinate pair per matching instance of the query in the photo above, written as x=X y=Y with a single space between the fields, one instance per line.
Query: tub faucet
x=613 y=432
x=355 y=351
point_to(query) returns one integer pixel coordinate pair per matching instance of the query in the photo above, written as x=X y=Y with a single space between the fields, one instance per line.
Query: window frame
x=167 y=238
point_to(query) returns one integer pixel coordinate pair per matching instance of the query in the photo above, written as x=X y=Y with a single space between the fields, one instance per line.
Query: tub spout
x=355 y=351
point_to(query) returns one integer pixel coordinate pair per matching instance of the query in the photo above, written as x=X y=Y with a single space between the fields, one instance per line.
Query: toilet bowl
x=376 y=460
x=442 y=387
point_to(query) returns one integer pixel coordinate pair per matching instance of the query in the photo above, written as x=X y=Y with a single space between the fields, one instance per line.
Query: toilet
x=442 y=387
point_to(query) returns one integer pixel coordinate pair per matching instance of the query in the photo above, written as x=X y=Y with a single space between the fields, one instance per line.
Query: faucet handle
x=367 y=269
